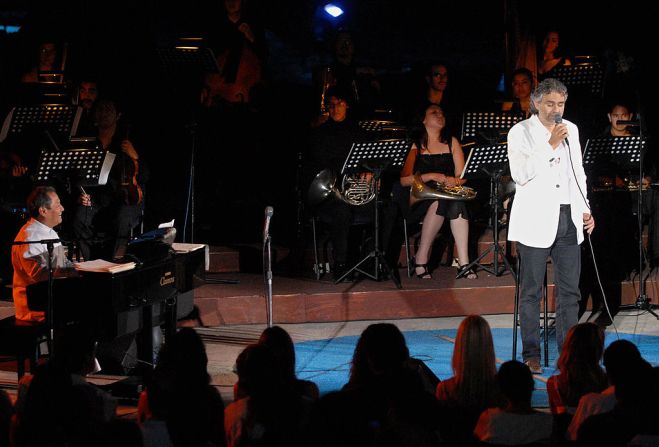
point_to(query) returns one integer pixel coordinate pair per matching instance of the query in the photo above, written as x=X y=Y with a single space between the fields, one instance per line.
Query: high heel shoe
x=425 y=274
x=469 y=273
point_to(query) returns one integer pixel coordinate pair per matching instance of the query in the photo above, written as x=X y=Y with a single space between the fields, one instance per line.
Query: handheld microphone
x=558 y=119
x=633 y=123
x=269 y=211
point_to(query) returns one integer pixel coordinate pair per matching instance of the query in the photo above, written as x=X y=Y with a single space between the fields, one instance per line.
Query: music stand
x=188 y=59
x=625 y=153
x=92 y=165
x=376 y=156
x=60 y=118
x=588 y=77
x=491 y=160
x=473 y=122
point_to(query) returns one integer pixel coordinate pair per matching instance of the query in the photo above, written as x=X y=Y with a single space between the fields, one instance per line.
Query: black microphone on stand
x=268 y=215
x=632 y=123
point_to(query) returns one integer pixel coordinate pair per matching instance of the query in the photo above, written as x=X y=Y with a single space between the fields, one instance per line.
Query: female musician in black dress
x=439 y=158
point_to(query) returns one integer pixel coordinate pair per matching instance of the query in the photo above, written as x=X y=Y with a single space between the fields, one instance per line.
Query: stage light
x=333 y=10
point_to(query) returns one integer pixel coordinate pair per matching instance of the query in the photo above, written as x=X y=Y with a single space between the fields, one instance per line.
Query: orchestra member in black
x=330 y=144
x=115 y=208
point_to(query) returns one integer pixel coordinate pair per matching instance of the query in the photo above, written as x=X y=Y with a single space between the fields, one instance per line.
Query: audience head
x=185 y=353
x=254 y=367
x=337 y=103
x=380 y=351
x=617 y=358
x=582 y=349
x=522 y=82
x=516 y=382
x=473 y=352
x=76 y=350
x=548 y=100
x=281 y=345
x=44 y=205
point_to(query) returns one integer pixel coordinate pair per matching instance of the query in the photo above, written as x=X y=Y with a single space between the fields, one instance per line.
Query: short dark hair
x=39 y=197
x=515 y=381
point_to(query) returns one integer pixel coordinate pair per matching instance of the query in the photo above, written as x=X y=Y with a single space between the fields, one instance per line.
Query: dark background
x=249 y=160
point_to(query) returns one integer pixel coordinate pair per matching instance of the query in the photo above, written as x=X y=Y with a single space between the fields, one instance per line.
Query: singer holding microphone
x=549 y=214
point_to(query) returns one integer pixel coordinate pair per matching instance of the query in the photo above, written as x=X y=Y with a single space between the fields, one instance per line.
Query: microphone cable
x=590 y=241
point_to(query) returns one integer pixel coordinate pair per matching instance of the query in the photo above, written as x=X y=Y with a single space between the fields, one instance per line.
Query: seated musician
x=87 y=96
x=30 y=261
x=114 y=208
x=616 y=244
x=523 y=85
x=330 y=145
x=439 y=158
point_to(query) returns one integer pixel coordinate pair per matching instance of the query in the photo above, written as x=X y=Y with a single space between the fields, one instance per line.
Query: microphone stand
x=267 y=271
x=190 y=205
x=642 y=300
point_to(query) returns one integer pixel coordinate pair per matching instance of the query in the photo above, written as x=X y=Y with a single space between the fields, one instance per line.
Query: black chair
x=21 y=339
x=321 y=266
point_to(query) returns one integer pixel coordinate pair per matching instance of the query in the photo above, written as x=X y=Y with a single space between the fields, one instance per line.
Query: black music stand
x=626 y=153
x=588 y=77
x=491 y=160
x=92 y=165
x=376 y=156
x=475 y=122
x=186 y=62
x=61 y=119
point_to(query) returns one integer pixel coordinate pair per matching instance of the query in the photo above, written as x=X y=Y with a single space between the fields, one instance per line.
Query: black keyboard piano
x=123 y=303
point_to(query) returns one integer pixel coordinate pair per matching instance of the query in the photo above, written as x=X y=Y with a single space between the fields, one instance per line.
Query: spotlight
x=333 y=10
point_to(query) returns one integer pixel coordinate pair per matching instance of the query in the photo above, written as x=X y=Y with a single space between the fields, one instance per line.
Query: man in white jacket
x=549 y=207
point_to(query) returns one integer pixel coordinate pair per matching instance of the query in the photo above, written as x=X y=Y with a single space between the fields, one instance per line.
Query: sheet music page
x=105 y=169
x=464 y=169
x=100 y=265
x=187 y=248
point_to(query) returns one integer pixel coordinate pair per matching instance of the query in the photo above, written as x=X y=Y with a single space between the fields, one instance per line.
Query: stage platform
x=304 y=300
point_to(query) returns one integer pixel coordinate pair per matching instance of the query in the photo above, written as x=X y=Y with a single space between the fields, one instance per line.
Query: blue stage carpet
x=327 y=362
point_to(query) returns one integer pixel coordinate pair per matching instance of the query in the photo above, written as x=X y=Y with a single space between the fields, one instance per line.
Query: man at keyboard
x=30 y=261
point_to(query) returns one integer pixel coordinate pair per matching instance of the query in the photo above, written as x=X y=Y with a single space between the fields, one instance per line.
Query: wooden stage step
x=303 y=300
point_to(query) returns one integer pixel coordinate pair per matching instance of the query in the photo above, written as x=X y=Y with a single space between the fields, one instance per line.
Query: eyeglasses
x=440 y=75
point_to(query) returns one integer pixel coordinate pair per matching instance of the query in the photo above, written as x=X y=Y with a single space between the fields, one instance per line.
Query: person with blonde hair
x=473 y=387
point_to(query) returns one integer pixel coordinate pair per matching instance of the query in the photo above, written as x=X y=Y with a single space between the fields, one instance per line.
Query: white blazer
x=536 y=207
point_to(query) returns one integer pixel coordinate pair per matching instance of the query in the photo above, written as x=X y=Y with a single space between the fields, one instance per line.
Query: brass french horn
x=421 y=191
x=354 y=189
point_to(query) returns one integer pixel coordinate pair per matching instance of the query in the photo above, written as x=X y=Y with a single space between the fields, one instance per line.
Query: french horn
x=421 y=191
x=354 y=189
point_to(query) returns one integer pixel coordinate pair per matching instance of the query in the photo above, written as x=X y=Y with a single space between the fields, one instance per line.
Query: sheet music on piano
x=100 y=265
x=187 y=248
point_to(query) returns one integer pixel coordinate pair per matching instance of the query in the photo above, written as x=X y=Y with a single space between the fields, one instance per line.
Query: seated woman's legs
x=432 y=223
x=460 y=230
